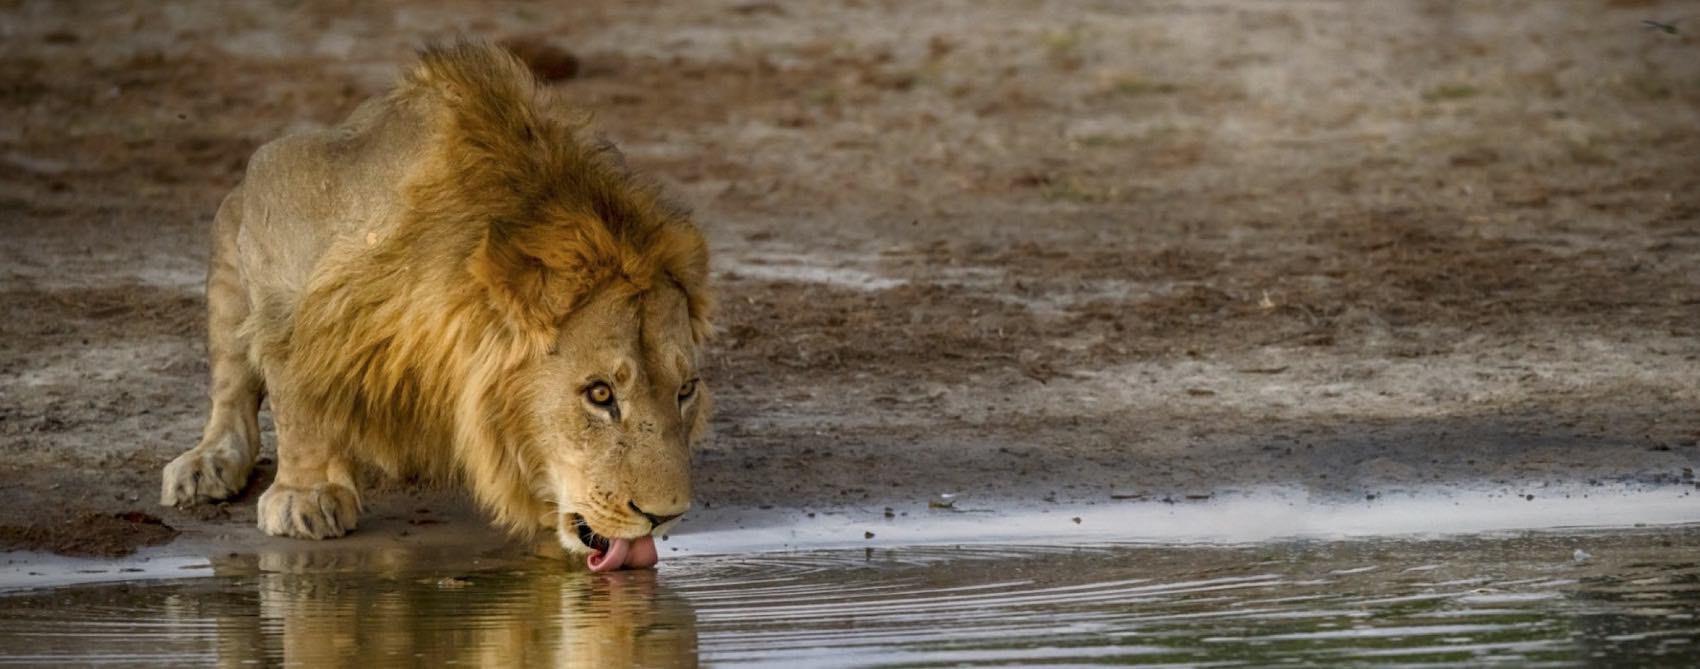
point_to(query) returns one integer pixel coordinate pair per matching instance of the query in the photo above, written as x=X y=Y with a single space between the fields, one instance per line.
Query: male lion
x=455 y=282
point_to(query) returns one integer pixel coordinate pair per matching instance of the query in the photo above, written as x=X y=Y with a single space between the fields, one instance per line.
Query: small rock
x=452 y=583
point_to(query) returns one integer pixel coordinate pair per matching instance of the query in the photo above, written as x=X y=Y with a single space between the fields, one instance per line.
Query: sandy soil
x=1033 y=250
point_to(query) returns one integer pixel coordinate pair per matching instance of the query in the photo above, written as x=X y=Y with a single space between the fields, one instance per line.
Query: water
x=1525 y=598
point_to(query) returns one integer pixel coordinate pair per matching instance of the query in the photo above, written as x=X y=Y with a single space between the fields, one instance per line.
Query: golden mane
x=510 y=219
x=512 y=155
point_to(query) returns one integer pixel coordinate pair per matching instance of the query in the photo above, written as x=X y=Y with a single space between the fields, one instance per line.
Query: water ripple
x=1516 y=599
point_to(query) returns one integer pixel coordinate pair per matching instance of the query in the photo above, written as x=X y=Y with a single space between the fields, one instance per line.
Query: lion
x=457 y=283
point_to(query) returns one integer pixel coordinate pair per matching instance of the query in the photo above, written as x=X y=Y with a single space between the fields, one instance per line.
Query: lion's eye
x=600 y=395
x=687 y=390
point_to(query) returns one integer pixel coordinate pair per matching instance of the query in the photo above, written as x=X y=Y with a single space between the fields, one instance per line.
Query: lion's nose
x=657 y=521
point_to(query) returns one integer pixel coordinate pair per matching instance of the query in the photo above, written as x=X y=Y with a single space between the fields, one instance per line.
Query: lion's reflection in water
x=378 y=608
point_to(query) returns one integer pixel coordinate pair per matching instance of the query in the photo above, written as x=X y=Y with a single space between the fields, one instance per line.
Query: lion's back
x=305 y=190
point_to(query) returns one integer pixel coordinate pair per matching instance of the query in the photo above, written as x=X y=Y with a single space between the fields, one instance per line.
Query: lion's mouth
x=590 y=539
x=610 y=554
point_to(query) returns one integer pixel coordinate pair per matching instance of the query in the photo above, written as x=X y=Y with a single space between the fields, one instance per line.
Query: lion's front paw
x=321 y=511
x=203 y=475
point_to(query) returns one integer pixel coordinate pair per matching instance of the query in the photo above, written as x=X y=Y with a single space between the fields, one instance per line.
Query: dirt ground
x=1025 y=251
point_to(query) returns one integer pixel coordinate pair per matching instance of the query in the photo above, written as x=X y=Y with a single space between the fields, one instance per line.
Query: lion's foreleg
x=218 y=466
x=315 y=495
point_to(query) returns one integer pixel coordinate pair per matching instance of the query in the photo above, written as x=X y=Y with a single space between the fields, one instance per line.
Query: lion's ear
x=537 y=273
x=690 y=271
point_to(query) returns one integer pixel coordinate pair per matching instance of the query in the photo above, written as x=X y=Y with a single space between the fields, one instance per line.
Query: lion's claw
x=321 y=511
x=203 y=475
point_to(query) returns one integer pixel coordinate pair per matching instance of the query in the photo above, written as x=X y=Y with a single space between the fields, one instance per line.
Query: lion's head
x=617 y=404
x=602 y=415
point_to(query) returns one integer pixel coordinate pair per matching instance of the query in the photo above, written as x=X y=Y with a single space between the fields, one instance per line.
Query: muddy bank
x=1028 y=251
x=89 y=535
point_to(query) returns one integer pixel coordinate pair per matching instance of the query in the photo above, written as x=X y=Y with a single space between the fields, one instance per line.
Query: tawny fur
x=412 y=338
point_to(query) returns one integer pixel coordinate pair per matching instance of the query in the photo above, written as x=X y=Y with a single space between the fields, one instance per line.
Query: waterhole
x=1529 y=598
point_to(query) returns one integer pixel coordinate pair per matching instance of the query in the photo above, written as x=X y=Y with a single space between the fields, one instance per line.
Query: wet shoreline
x=1264 y=515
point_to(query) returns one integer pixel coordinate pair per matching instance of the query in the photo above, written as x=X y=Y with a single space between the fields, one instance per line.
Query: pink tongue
x=643 y=553
x=611 y=559
x=636 y=553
